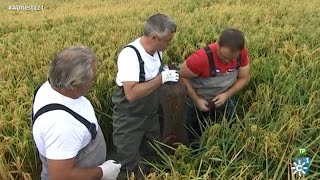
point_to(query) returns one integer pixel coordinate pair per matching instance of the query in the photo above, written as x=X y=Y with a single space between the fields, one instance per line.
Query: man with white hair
x=139 y=77
x=65 y=129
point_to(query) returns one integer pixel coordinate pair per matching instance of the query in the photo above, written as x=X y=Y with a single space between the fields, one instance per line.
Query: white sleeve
x=63 y=140
x=128 y=66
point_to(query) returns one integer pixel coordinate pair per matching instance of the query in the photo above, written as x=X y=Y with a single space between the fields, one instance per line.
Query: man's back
x=57 y=134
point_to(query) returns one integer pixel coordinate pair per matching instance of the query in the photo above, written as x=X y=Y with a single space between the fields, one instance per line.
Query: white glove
x=170 y=75
x=110 y=170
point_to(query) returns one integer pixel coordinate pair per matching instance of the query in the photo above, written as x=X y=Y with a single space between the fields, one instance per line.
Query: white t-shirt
x=128 y=64
x=57 y=134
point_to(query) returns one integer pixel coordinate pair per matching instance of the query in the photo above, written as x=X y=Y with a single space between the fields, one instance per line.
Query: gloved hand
x=169 y=76
x=110 y=170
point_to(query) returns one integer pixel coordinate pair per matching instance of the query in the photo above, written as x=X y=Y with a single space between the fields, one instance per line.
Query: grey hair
x=159 y=25
x=72 y=67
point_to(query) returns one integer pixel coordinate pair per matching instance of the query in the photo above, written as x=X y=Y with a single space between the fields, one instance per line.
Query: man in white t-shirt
x=140 y=74
x=65 y=129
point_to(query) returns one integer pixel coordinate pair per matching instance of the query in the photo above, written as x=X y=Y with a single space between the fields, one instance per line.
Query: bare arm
x=191 y=91
x=134 y=90
x=186 y=73
x=66 y=169
x=242 y=81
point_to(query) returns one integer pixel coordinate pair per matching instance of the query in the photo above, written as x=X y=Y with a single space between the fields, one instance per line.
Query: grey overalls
x=208 y=88
x=135 y=123
x=92 y=155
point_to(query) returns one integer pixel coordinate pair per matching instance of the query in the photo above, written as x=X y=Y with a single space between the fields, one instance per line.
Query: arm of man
x=134 y=90
x=186 y=73
x=66 y=169
x=242 y=81
x=128 y=76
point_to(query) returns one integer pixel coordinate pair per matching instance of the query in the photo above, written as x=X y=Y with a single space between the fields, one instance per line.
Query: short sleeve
x=63 y=140
x=198 y=63
x=244 y=58
x=128 y=66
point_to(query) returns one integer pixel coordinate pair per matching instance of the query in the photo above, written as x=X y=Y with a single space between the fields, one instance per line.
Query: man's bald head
x=72 y=67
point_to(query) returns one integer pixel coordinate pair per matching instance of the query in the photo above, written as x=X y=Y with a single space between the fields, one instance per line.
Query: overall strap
x=161 y=65
x=212 y=67
x=51 y=107
x=141 y=63
x=239 y=58
x=34 y=96
x=159 y=57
